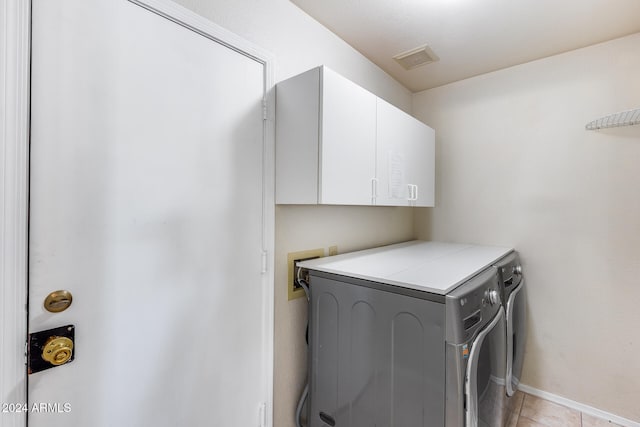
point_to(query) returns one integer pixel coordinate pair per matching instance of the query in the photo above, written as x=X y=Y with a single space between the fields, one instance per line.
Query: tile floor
x=532 y=411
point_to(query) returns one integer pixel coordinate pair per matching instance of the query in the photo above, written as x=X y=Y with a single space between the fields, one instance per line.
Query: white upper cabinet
x=337 y=143
x=348 y=141
x=405 y=158
x=326 y=140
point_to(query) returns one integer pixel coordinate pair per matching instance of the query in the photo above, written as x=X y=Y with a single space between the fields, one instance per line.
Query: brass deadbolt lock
x=58 y=301
x=57 y=350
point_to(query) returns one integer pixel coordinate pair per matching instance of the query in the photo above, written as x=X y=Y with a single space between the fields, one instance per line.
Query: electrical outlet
x=333 y=250
x=293 y=290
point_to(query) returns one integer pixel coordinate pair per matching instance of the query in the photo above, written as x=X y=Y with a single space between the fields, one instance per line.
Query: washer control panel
x=510 y=270
x=473 y=304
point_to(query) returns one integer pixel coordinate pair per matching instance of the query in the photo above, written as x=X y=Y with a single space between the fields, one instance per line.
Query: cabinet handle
x=374 y=188
x=413 y=192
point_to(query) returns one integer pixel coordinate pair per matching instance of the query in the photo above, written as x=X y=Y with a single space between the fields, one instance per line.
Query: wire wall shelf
x=623 y=118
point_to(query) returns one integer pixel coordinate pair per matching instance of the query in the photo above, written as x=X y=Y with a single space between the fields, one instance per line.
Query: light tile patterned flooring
x=536 y=412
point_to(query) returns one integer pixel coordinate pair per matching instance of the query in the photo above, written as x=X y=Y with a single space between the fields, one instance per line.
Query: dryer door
x=485 y=377
x=516 y=336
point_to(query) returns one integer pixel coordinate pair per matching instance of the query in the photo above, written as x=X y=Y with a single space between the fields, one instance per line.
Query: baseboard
x=578 y=406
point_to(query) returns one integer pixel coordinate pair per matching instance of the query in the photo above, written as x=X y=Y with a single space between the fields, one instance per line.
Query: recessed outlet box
x=294 y=291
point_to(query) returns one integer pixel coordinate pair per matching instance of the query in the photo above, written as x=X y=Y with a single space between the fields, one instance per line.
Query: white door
x=147 y=206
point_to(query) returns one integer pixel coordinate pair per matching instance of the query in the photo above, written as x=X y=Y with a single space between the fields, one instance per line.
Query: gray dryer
x=408 y=335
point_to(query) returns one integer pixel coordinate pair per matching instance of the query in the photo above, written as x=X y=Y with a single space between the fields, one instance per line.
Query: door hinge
x=262 y=414
x=264 y=109
x=264 y=262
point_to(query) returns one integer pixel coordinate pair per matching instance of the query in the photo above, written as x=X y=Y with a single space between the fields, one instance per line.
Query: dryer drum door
x=516 y=336
x=485 y=376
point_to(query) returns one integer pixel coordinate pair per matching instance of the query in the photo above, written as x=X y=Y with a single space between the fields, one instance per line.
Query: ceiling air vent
x=417 y=57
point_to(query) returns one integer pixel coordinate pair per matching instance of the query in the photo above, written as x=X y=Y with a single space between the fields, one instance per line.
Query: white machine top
x=434 y=267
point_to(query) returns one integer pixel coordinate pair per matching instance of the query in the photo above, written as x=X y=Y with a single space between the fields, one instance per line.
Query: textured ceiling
x=471 y=37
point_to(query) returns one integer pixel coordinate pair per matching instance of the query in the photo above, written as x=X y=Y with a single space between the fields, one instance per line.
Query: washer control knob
x=493 y=296
x=517 y=270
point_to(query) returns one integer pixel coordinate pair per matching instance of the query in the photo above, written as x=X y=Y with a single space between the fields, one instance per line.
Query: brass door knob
x=57 y=350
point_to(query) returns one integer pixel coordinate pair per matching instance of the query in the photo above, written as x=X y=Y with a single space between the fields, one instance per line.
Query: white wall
x=298 y=44
x=516 y=167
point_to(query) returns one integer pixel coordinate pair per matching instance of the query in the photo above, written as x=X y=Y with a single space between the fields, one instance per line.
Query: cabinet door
x=348 y=142
x=421 y=162
x=405 y=159
x=393 y=152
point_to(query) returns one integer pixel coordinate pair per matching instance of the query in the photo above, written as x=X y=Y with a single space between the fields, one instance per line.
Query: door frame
x=15 y=52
